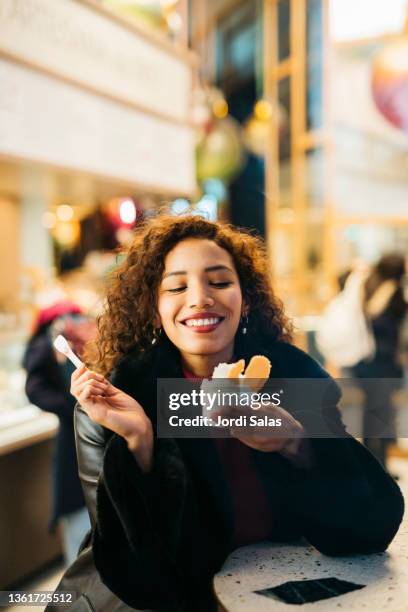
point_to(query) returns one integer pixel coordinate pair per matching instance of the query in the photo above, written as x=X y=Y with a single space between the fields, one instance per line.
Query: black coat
x=386 y=328
x=158 y=539
x=47 y=386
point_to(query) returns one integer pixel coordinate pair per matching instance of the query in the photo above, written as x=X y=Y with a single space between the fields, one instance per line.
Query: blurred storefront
x=338 y=185
x=318 y=99
x=288 y=117
x=95 y=133
x=297 y=114
x=93 y=107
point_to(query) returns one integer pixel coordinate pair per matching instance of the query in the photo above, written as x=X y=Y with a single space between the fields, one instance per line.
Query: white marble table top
x=267 y=565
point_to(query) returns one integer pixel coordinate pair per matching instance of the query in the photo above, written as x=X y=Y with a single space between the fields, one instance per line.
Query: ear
x=244 y=309
x=157 y=322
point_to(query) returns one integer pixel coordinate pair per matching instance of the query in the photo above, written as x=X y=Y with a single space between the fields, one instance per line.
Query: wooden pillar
x=329 y=255
x=270 y=86
x=182 y=8
x=298 y=129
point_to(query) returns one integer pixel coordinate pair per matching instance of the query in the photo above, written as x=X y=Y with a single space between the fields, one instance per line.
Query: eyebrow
x=209 y=269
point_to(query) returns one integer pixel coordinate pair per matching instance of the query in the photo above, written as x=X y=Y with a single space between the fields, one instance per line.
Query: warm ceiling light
x=65 y=212
x=127 y=211
x=67 y=233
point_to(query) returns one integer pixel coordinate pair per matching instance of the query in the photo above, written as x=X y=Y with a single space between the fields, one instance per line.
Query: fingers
x=83 y=378
x=78 y=372
x=82 y=374
x=110 y=390
x=92 y=401
x=91 y=387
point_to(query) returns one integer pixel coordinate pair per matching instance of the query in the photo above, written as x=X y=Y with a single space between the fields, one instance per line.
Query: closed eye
x=221 y=284
x=176 y=289
x=218 y=285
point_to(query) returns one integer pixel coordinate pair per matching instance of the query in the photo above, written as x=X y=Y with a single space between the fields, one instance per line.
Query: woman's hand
x=284 y=439
x=115 y=410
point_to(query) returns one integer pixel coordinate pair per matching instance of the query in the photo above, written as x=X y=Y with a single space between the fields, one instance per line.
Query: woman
x=47 y=386
x=166 y=513
x=385 y=307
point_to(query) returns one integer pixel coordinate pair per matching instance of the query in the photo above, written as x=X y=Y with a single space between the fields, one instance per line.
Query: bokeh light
x=127 y=211
x=220 y=108
x=65 y=212
x=263 y=110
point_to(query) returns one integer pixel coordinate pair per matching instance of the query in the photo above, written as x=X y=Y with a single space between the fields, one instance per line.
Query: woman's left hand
x=284 y=439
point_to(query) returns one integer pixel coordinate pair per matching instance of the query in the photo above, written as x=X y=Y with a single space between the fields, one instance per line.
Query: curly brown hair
x=131 y=300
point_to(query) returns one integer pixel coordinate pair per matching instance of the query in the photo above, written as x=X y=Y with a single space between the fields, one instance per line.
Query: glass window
x=368 y=242
x=315 y=179
x=371 y=18
x=284 y=135
x=314 y=64
x=283 y=29
x=284 y=118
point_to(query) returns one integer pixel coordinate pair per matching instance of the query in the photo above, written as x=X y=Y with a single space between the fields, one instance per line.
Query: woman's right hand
x=112 y=408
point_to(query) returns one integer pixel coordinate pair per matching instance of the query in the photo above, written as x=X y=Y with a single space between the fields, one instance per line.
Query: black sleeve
x=90 y=439
x=346 y=502
x=43 y=384
x=153 y=541
x=128 y=530
x=132 y=550
x=153 y=525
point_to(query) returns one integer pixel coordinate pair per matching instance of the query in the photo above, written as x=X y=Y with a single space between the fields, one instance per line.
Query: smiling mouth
x=206 y=324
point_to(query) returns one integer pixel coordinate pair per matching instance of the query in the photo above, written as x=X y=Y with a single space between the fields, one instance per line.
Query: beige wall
x=9 y=253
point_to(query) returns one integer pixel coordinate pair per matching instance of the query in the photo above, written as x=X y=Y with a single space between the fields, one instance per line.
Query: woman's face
x=200 y=300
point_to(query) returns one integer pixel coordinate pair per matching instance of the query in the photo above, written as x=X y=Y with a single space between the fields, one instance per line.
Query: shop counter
x=26 y=447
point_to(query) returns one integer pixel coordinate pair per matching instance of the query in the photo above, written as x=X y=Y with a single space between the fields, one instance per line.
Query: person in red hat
x=47 y=386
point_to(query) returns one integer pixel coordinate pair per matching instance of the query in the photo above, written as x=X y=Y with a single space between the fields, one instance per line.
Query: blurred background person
x=47 y=386
x=385 y=307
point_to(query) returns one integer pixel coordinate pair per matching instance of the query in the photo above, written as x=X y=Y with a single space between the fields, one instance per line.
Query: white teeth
x=202 y=322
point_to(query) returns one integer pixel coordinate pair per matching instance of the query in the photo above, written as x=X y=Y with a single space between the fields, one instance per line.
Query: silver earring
x=156 y=334
x=244 y=327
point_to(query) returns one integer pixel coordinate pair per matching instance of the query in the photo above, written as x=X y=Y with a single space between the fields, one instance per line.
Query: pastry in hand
x=256 y=373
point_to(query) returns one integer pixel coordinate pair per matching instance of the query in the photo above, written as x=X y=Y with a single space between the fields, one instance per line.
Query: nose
x=199 y=295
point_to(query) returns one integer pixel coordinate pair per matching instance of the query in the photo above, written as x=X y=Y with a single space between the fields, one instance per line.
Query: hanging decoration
x=390 y=83
x=219 y=145
x=259 y=128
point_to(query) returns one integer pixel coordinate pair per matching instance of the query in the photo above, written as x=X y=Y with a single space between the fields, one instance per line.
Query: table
x=266 y=565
